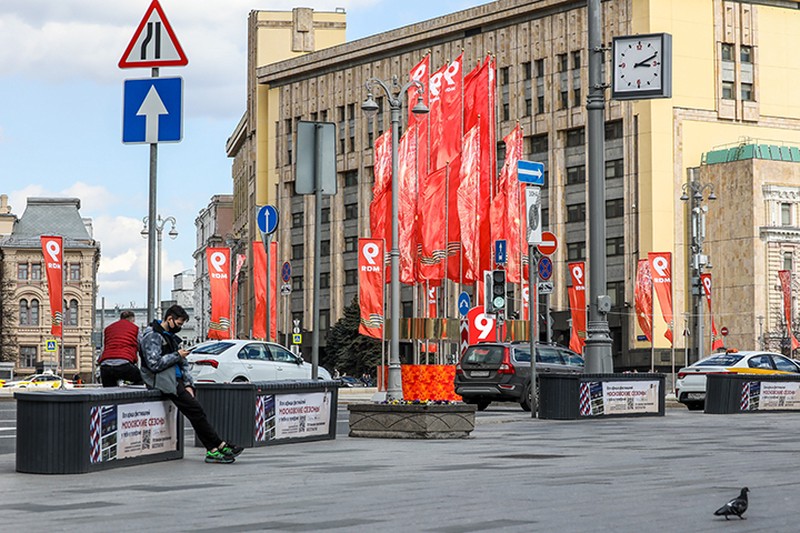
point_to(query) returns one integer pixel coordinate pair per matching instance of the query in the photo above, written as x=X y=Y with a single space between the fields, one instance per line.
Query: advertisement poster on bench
x=132 y=430
x=302 y=415
x=618 y=397
x=265 y=418
x=775 y=396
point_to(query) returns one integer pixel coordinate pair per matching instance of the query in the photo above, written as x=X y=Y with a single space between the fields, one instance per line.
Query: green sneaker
x=218 y=457
x=232 y=450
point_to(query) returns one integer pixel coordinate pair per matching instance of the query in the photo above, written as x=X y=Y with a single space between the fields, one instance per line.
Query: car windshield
x=723 y=359
x=214 y=348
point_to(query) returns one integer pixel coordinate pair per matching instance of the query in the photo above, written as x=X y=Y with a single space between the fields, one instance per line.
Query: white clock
x=642 y=67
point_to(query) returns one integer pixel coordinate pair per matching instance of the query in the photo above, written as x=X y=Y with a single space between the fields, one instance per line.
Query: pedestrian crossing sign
x=297 y=338
x=50 y=346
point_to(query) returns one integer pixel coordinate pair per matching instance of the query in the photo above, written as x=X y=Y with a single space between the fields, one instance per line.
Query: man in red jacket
x=120 y=352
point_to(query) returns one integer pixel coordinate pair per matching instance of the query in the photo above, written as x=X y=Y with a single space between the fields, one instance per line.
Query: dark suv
x=502 y=371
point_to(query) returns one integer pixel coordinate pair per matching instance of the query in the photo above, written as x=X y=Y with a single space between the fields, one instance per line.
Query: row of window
x=533 y=73
x=614 y=209
x=745 y=72
x=576 y=251
x=350 y=213
x=28 y=356
x=350 y=278
x=29 y=312
x=33 y=271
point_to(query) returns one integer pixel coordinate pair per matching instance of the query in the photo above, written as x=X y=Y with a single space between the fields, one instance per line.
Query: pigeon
x=736 y=506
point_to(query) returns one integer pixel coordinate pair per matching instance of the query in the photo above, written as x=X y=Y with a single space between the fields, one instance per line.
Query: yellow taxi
x=38 y=381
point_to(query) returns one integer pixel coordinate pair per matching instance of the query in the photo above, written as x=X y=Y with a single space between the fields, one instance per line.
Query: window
x=351 y=125
x=325 y=247
x=786 y=214
x=282 y=355
x=22 y=271
x=27 y=356
x=297 y=283
x=71 y=312
x=351 y=212
x=760 y=361
x=504 y=75
x=783 y=364
x=576 y=96
x=613 y=130
x=564 y=100
x=340 y=127
x=28 y=312
x=787 y=261
x=576 y=174
x=350 y=244
x=746 y=54
x=526 y=71
x=297 y=251
x=727 y=52
x=615 y=208
x=351 y=178
x=539 y=63
x=576 y=212
x=576 y=251
x=325 y=215
x=538 y=144
x=351 y=277
x=616 y=291
x=70 y=357
x=74 y=271
x=615 y=246
x=545 y=217
x=615 y=168
x=576 y=137
x=36 y=271
x=539 y=70
x=747 y=92
x=576 y=59
x=728 y=88
x=540 y=104
x=324 y=280
x=324 y=319
x=297 y=220
x=562 y=62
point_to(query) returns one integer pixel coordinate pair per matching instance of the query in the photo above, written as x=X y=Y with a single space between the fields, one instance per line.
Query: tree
x=8 y=320
x=349 y=351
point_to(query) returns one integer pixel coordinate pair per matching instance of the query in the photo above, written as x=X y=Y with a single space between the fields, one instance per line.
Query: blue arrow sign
x=152 y=111
x=545 y=268
x=463 y=303
x=286 y=272
x=530 y=172
x=267 y=219
x=500 y=252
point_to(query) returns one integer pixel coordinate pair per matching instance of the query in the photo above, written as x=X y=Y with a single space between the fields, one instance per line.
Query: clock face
x=639 y=66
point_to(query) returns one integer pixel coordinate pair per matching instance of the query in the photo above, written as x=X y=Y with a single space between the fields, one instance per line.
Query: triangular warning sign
x=154 y=43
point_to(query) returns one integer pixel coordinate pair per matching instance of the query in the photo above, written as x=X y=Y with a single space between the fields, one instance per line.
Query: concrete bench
x=75 y=431
x=751 y=393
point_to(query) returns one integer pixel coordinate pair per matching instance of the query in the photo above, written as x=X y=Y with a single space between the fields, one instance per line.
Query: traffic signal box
x=496 y=302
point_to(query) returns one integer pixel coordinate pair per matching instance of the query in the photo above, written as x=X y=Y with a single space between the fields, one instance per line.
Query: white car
x=48 y=380
x=690 y=387
x=232 y=361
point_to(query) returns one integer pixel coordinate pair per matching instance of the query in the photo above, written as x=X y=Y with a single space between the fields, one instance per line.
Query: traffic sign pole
x=532 y=327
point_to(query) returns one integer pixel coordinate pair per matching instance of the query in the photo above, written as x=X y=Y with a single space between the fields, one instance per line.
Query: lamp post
x=696 y=193
x=159 y=228
x=395 y=95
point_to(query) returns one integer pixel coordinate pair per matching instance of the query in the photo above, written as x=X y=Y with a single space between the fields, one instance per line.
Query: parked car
x=247 y=360
x=38 y=381
x=491 y=372
x=690 y=387
x=349 y=381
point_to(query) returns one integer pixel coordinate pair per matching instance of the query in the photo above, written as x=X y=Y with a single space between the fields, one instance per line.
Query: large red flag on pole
x=468 y=213
x=577 y=305
x=370 y=287
x=260 y=289
x=380 y=209
x=716 y=341
x=421 y=73
x=407 y=212
x=785 y=277
x=53 y=251
x=218 y=262
x=240 y=260
x=515 y=221
x=454 y=249
x=432 y=224
x=643 y=298
x=661 y=271
x=446 y=116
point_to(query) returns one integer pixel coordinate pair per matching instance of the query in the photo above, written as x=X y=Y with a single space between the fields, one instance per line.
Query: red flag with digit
x=643 y=298
x=371 y=268
x=661 y=272
x=716 y=341
x=577 y=305
x=218 y=262
x=52 y=249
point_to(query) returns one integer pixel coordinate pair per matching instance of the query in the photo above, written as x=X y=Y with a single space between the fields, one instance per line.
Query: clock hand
x=645 y=62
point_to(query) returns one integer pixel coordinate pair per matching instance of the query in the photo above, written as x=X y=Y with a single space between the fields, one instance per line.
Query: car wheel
x=695 y=406
x=526 y=401
x=482 y=404
x=240 y=379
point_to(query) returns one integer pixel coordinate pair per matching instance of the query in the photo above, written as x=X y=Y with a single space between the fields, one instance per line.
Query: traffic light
x=497 y=298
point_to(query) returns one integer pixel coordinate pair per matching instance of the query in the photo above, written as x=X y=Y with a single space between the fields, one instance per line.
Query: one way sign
x=152 y=111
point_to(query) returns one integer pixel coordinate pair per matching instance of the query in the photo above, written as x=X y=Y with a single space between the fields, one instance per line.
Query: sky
x=61 y=97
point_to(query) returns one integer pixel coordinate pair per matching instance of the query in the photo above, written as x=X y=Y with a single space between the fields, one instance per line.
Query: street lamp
x=395 y=95
x=159 y=227
x=696 y=192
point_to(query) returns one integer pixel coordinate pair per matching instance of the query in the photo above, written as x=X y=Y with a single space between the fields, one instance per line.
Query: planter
x=423 y=421
x=751 y=393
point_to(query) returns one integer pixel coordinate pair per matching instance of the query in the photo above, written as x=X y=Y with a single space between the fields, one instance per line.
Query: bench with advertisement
x=751 y=393
x=585 y=396
x=263 y=413
x=75 y=431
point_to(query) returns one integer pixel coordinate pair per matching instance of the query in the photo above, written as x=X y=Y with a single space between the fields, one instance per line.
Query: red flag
x=468 y=214
x=240 y=260
x=432 y=224
x=407 y=212
x=53 y=251
x=716 y=342
x=432 y=300
x=643 y=298
x=273 y=291
x=454 y=252
x=219 y=271
x=661 y=271
x=421 y=72
x=380 y=215
x=446 y=88
x=577 y=305
x=260 y=286
x=785 y=277
x=370 y=287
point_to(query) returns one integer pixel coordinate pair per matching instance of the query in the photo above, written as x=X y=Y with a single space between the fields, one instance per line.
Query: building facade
x=733 y=79
x=213 y=229
x=22 y=265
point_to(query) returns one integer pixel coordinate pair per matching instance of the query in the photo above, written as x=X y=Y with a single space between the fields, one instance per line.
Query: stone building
x=213 y=227
x=22 y=263
x=733 y=78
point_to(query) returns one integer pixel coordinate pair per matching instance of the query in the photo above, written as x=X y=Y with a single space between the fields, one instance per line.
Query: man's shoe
x=218 y=457
x=232 y=450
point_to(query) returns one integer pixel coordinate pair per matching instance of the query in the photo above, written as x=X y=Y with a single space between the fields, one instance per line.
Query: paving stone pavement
x=515 y=474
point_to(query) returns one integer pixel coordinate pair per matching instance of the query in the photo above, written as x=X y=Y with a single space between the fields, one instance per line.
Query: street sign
x=154 y=44
x=549 y=243
x=500 y=252
x=533 y=208
x=545 y=267
x=530 y=172
x=317 y=142
x=51 y=346
x=286 y=289
x=297 y=338
x=152 y=110
x=463 y=303
x=286 y=272
x=267 y=219
x=545 y=287
x=724 y=331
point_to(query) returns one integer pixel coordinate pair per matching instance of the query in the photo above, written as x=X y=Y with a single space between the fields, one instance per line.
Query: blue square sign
x=531 y=172
x=152 y=110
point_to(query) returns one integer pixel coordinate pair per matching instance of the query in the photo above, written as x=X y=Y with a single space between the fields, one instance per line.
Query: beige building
x=734 y=76
x=22 y=265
